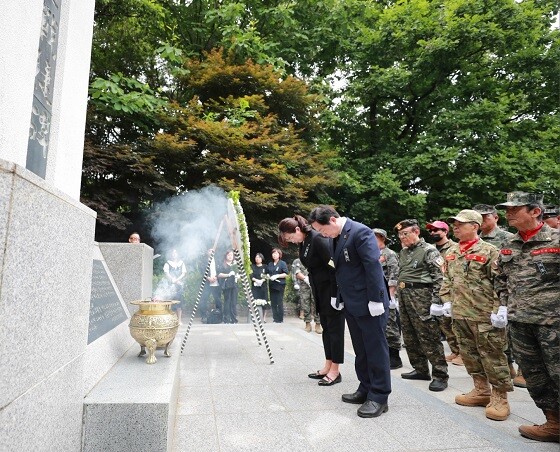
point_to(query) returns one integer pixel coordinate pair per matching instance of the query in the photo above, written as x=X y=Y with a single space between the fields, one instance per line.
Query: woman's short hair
x=278 y=250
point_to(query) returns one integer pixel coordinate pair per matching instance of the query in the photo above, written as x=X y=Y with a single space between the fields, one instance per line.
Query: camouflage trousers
x=446 y=327
x=537 y=351
x=421 y=333
x=307 y=304
x=393 y=330
x=482 y=349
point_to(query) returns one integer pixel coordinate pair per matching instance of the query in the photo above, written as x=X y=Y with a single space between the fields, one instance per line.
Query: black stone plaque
x=41 y=111
x=105 y=308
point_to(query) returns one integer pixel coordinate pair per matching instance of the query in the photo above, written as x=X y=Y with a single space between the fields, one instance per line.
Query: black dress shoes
x=316 y=375
x=372 y=409
x=326 y=381
x=415 y=376
x=437 y=385
x=357 y=398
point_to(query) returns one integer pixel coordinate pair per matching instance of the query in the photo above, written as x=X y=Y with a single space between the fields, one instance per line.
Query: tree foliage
x=388 y=110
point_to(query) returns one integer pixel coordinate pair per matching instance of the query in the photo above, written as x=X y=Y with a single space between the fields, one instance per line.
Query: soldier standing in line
x=389 y=261
x=491 y=233
x=420 y=279
x=527 y=285
x=438 y=233
x=468 y=295
x=300 y=276
x=551 y=216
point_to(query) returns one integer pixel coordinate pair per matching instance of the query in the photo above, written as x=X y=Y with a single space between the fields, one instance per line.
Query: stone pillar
x=45 y=50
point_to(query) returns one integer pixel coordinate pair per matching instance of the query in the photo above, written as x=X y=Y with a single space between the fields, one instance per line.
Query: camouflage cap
x=405 y=224
x=485 y=209
x=467 y=216
x=381 y=232
x=551 y=212
x=520 y=198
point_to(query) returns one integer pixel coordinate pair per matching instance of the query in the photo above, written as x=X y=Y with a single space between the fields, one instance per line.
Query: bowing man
x=363 y=294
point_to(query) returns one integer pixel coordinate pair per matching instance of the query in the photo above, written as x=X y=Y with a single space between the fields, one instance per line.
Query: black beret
x=405 y=224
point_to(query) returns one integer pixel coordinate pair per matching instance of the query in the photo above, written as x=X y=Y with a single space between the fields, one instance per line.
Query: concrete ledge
x=133 y=407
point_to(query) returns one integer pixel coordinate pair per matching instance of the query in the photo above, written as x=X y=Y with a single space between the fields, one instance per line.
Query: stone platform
x=133 y=407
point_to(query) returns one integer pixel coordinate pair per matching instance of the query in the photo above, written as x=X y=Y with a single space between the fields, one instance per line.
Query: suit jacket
x=315 y=253
x=359 y=274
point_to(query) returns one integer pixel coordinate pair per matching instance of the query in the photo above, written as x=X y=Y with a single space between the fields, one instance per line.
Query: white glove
x=499 y=320
x=376 y=308
x=333 y=304
x=392 y=303
x=259 y=282
x=296 y=286
x=436 y=310
x=447 y=309
x=306 y=280
x=274 y=277
x=231 y=273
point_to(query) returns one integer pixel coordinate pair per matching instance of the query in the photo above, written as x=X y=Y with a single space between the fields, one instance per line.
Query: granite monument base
x=46 y=244
x=133 y=407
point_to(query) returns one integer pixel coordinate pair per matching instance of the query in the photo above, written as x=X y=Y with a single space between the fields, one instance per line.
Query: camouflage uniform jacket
x=445 y=248
x=389 y=260
x=468 y=282
x=421 y=263
x=497 y=237
x=529 y=278
x=297 y=267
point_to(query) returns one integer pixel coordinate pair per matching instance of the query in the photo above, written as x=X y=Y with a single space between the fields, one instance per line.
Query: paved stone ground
x=232 y=399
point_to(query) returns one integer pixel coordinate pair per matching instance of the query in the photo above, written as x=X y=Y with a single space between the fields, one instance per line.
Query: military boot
x=519 y=380
x=548 y=432
x=308 y=327
x=395 y=361
x=479 y=396
x=318 y=328
x=498 y=408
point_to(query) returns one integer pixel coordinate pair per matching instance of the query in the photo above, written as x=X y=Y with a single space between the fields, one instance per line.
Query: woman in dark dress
x=228 y=282
x=258 y=277
x=315 y=253
x=278 y=270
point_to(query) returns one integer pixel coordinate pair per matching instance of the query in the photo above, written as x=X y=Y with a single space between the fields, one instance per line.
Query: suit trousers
x=372 y=355
x=333 y=336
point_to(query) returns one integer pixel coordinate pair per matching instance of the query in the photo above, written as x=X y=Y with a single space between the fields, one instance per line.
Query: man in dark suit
x=363 y=294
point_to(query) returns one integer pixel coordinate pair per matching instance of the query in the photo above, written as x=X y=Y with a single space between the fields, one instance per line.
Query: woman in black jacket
x=315 y=253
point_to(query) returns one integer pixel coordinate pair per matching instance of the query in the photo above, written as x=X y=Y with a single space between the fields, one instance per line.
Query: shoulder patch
x=545 y=251
x=506 y=251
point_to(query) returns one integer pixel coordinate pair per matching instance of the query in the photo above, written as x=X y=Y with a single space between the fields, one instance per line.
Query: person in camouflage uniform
x=300 y=276
x=491 y=233
x=527 y=285
x=389 y=261
x=438 y=234
x=551 y=216
x=468 y=295
x=420 y=279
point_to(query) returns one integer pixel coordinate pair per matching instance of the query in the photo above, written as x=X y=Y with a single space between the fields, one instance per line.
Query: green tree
x=448 y=103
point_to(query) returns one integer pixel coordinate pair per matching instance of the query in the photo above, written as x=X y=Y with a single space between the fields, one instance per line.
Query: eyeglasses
x=404 y=234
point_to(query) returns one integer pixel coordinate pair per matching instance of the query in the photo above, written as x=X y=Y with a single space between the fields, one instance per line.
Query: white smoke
x=189 y=223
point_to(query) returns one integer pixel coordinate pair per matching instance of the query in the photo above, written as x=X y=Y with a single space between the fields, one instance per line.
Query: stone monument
x=56 y=339
x=68 y=359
